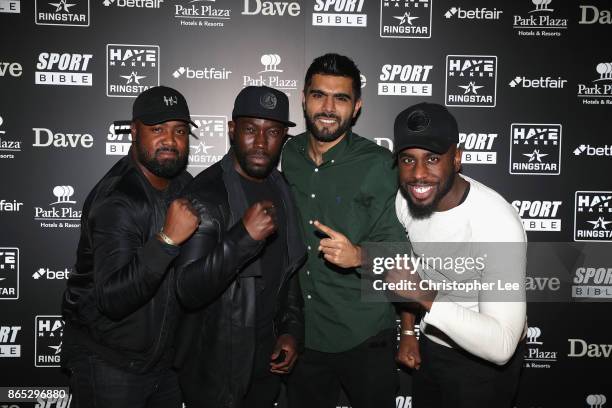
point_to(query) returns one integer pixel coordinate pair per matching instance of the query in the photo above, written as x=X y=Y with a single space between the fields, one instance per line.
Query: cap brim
x=287 y=123
x=161 y=118
x=438 y=148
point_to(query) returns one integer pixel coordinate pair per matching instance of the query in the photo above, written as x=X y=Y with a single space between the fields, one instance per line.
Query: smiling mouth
x=421 y=192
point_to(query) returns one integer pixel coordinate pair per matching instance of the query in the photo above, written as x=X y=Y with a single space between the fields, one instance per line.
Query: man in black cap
x=470 y=346
x=237 y=271
x=120 y=306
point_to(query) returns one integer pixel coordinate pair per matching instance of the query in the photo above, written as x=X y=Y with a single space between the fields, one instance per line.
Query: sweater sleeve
x=493 y=331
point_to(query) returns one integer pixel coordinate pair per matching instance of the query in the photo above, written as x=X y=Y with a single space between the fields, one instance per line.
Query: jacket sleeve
x=292 y=319
x=127 y=271
x=212 y=258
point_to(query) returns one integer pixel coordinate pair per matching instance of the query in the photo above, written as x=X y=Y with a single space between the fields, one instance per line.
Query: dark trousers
x=451 y=378
x=265 y=385
x=367 y=373
x=97 y=384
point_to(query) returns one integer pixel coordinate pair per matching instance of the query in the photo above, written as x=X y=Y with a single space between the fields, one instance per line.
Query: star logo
x=535 y=155
x=133 y=77
x=600 y=223
x=58 y=349
x=201 y=147
x=405 y=19
x=470 y=88
x=62 y=6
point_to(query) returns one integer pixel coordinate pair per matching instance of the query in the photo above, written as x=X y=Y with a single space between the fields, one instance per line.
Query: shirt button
x=309 y=247
x=316 y=170
x=310 y=221
x=333 y=161
x=308 y=296
x=307 y=272
x=312 y=195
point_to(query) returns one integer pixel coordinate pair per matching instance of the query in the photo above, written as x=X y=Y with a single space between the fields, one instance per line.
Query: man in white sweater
x=470 y=351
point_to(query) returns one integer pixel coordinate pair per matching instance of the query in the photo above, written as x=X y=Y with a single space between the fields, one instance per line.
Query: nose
x=420 y=170
x=329 y=104
x=259 y=141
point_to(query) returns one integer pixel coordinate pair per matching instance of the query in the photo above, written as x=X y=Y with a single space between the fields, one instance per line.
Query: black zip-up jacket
x=216 y=274
x=120 y=302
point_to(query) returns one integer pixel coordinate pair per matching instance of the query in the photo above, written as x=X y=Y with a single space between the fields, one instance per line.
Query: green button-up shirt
x=353 y=192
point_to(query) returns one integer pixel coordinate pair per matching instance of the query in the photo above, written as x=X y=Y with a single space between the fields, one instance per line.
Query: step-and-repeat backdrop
x=530 y=82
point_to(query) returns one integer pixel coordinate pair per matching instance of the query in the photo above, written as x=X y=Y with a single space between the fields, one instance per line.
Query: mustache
x=167 y=150
x=326 y=115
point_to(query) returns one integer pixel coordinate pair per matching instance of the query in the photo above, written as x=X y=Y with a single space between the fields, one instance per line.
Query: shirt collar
x=332 y=154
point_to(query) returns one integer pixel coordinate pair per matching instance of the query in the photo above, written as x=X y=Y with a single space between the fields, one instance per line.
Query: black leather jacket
x=121 y=302
x=216 y=274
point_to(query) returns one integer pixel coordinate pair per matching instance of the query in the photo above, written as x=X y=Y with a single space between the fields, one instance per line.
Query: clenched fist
x=181 y=220
x=259 y=220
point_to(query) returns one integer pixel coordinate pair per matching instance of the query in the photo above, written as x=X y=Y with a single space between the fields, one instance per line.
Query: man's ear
x=231 y=127
x=133 y=131
x=457 y=159
x=358 y=105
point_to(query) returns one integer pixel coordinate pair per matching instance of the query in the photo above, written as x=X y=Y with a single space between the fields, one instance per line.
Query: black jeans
x=367 y=373
x=450 y=378
x=96 y=384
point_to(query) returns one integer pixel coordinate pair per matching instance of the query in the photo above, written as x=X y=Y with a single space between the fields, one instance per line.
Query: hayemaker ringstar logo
x=48 y=343
x=593 y=216
x=54 y=68
x=340 y=13
x=62 y=212
x=131 y=69
x=478 y=147
x=211 y=142
x=9 y=273
x=471 y=80
x=405 y=18
x=535 y=149
x=73 y=13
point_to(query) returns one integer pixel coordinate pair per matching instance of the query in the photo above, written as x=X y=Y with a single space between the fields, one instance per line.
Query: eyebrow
x=340 y=94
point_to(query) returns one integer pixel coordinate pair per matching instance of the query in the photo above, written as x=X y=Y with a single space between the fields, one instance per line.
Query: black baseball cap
x=427 y=126
x=262 y=102
x=161 y=104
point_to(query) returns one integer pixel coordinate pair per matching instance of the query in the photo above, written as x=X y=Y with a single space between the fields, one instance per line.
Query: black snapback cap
x=262 y=102
x=161 y=104
x=427 y=126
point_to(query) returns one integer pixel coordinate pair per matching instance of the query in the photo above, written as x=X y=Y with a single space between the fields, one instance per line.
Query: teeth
x=327 y=121
x=422 y=190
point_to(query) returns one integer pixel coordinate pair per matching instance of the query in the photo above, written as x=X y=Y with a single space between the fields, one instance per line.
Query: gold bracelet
x=166 y=238
x=408 y=332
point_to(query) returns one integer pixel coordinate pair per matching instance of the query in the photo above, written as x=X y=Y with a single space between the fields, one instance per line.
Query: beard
x=167 y=168
x=421 y=212
x=255 y=170
x=325 y=135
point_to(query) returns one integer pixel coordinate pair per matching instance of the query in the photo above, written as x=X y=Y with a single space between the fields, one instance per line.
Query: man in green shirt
x=345 y=188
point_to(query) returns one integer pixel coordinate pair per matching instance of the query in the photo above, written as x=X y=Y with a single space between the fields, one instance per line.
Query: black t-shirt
x=272 y=256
